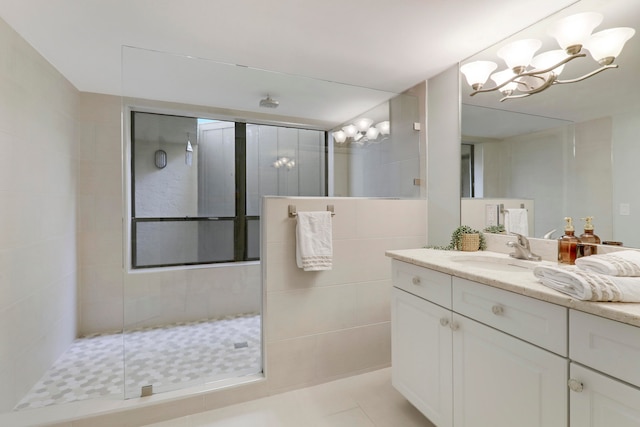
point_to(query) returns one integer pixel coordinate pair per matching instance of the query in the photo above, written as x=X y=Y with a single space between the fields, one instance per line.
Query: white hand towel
x=516 y=221
x=587 y=286
x=621 y=263
x=314 y=248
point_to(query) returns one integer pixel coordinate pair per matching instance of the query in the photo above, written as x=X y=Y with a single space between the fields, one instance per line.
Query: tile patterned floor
x=367 y=400
x=165 y=357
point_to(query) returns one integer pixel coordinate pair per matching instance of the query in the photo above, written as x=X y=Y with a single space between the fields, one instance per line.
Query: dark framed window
x=196 y=185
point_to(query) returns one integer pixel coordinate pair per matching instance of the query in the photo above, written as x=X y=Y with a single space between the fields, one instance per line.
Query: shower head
x=269 y=102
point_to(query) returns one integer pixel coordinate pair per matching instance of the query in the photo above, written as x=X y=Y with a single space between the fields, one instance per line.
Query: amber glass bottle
x=568 y=244
x=588 y=238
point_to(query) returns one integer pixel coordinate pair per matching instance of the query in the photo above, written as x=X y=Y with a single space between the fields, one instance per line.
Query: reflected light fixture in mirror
x=526 y=75
x=361 y=131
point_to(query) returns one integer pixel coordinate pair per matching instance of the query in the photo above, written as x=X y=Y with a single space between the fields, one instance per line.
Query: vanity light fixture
x=362 y=131
x=285 y=162
x=527 y=74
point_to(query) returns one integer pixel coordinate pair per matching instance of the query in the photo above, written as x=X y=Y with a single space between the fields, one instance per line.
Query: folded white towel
x=589 y=286
x=314 y=249
x=516 y=221
x=621 y=263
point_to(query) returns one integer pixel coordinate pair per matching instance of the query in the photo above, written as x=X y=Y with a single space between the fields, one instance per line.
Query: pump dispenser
x=589 y=239
x=568 y=244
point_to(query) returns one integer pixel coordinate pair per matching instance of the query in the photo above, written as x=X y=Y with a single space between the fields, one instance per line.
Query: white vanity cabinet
x=466 y=373
x=610 y=397
x=421 y=340
x=499 y=379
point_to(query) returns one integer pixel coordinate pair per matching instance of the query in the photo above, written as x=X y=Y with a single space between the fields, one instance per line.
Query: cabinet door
x=600 y=401
x=501 y=381
x=421 y=355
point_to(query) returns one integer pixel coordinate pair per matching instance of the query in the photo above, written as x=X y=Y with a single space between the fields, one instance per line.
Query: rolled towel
x=588 y=286
x=621 y=263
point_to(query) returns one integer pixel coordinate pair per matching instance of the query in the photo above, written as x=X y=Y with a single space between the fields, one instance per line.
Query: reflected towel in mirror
x=516 y=221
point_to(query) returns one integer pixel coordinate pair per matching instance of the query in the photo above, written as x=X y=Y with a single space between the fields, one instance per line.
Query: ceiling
x=379 y=44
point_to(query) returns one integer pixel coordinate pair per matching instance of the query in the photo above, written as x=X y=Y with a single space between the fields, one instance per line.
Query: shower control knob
x=415 y=280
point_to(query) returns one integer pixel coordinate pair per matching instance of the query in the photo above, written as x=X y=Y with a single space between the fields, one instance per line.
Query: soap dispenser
x=588 y=238
x=568 y=244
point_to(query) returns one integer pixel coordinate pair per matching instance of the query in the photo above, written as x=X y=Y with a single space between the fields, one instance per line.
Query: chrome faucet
x=522 y=249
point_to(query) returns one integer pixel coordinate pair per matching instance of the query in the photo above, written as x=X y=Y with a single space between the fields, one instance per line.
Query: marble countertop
x=520 y=280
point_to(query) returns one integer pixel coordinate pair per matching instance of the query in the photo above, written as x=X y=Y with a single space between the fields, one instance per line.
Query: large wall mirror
x=573 y=148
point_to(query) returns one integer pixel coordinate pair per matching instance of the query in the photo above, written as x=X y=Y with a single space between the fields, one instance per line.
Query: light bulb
x=363 y=124
x=549 y=59
x=384 y=127
x=605 y=46
x=477 y=72
x=518 y=54
x=501 y=77
x=372 y=133
x=573 y=31
x=339 y=136
x=350 y=131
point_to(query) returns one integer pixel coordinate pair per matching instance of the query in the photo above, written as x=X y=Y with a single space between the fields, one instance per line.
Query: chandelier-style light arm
x=534 y=73
x=586 y=76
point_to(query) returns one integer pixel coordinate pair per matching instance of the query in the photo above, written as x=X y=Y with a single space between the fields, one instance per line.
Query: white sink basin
x=496 y=263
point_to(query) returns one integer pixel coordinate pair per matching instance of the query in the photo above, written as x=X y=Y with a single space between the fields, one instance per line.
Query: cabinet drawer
x=538 y=322
x=606 y=345
x=428 y=284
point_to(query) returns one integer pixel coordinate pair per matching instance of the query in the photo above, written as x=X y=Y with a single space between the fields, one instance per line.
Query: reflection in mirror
x=570 y=147
x=377 y=154
x=467 y=171
x=384 y=165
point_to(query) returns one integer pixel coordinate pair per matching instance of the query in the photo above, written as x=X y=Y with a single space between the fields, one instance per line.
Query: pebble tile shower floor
x=180 y=353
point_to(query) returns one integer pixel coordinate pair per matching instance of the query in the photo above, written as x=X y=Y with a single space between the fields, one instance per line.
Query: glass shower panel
x=284 y=161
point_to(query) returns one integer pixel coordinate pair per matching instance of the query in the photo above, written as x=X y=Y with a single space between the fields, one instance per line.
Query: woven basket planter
x=470 y=242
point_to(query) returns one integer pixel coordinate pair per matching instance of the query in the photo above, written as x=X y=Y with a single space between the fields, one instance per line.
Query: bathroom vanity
x=478 y=341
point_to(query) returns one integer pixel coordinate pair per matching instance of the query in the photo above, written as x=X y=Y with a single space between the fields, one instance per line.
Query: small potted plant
x=465 y=238
x=495 y=229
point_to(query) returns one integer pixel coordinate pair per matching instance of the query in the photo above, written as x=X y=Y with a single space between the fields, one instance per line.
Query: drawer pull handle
x=444 y=321
x=454 y=326
x=415 y=280
x=575 y=385
x=498 y=310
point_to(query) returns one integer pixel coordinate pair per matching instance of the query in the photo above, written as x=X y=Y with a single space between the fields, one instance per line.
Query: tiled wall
x=38 y=177
x=327 y=324
x=318 y=325
x=100 y=257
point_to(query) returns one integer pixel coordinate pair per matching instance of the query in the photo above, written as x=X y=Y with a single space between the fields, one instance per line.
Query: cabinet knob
x=444 y=321
x=454 y=326
x=498 y=310
x=415 y=280
x=575 y=385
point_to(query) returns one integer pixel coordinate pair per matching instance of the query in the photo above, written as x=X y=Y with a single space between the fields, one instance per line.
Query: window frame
x=240 y=220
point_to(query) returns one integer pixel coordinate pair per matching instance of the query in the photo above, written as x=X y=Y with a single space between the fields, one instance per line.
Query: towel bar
x=293 y=212
x=502 y=207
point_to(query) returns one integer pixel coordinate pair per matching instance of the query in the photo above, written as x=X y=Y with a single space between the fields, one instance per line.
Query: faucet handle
x=522 y=240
